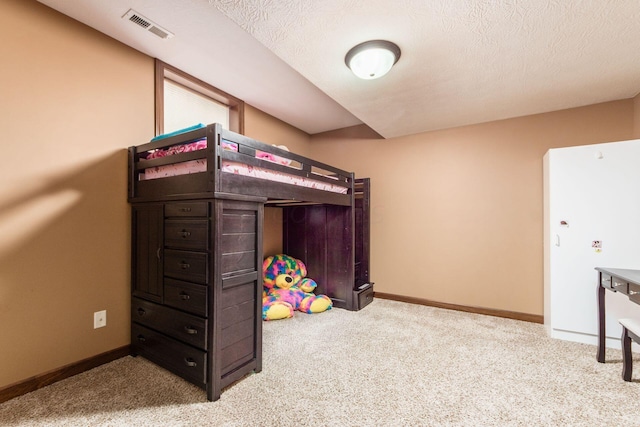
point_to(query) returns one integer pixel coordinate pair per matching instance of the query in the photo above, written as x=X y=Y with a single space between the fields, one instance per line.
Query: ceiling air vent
x=147 y=24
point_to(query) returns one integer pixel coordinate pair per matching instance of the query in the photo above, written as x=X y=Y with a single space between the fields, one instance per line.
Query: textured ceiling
x=463 y=62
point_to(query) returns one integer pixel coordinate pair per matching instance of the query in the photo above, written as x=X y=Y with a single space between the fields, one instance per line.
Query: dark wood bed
x=197 y=218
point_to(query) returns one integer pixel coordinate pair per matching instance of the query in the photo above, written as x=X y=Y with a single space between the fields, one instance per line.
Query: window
x=183 y=101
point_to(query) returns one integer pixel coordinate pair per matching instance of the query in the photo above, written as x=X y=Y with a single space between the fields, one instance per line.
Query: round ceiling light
x=372 y=59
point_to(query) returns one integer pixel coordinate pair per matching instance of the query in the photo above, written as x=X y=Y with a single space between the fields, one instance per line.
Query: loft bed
x=205 y=160
x=198 y=198
x=318 y=200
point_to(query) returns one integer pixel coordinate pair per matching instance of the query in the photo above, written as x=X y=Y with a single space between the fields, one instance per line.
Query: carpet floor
x=390 y=364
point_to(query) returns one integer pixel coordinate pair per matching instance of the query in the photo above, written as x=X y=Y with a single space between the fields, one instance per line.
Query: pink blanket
x=200 y=165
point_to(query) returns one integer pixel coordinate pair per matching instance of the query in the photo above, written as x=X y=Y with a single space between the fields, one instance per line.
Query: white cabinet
x=591 y=219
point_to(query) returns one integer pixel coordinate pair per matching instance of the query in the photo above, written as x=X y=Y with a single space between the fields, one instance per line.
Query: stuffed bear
x=286 y=288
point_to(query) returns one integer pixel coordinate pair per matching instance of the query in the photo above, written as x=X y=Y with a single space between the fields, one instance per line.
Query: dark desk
x=620 y=280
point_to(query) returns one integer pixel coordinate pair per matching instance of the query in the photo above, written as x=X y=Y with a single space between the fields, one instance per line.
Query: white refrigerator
x=591 y=219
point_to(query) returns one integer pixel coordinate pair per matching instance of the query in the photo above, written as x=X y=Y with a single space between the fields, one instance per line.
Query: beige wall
x=263 y=127
x=72 y=101
x=457 y=214
x=636 y=117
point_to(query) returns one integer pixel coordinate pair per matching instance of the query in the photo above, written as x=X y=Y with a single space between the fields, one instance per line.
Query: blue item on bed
x=178 y=132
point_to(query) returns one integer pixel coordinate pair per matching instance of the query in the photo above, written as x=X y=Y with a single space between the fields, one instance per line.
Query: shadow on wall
x=46 y=199
x=64 y=251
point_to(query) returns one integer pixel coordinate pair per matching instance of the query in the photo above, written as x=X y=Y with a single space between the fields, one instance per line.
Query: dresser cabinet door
x=147 y=229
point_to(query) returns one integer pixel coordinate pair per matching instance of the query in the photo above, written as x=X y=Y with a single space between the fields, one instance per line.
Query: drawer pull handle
x=190 y=330
x=185 y=234
x=190 y=362
x=184 y=265
x=158 y=255
x=141 y=338
x=184 y=296
x=185 y=209
x=633 y=292
x=141 y=311
x=617 y=284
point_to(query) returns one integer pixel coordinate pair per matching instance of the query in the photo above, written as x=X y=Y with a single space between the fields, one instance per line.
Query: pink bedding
x=200 y=165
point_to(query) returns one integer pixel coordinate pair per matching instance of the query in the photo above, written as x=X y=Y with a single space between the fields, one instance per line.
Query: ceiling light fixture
x=372 y=59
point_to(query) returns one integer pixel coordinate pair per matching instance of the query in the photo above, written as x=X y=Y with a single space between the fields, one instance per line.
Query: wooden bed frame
x=197 y=251
x=206 y=185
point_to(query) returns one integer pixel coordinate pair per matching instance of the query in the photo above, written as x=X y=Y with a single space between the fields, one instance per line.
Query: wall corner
x=636 y=117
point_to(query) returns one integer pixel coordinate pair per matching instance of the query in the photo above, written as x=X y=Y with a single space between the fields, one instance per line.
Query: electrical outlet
x=99 y=319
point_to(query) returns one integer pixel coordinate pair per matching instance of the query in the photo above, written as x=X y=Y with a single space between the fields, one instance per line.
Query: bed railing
x=224 y=149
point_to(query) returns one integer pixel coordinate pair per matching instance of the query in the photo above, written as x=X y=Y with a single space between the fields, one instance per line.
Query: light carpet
x=390 y=364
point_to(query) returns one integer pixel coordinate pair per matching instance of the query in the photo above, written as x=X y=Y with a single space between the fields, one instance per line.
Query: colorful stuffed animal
x=286 y=288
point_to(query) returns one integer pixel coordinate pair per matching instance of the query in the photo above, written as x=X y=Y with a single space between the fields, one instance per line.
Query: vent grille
x=140 y=21
x=159 y=32
x=147 y=24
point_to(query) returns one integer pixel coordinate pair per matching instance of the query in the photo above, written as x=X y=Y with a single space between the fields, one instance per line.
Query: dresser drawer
x=187 y=209
x=185 y=265
x=634 y=292
x=364 y=297
x=181 y=359
x=185 y=327
x=187 y=234
x=605 y=280
x=618 y=284
x=186 y=296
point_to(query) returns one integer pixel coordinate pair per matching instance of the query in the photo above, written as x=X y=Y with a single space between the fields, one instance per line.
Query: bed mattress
x=200 y=165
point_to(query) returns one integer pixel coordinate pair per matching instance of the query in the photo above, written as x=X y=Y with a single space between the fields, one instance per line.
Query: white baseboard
x=610 y=342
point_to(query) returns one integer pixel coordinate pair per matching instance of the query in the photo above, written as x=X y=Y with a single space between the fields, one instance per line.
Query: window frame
x=165 y=71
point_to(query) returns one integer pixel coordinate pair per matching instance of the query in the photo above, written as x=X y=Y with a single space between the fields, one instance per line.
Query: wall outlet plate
x=99 y=319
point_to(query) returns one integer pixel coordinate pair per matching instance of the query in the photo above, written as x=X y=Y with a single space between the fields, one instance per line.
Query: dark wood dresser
x=197 y=287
